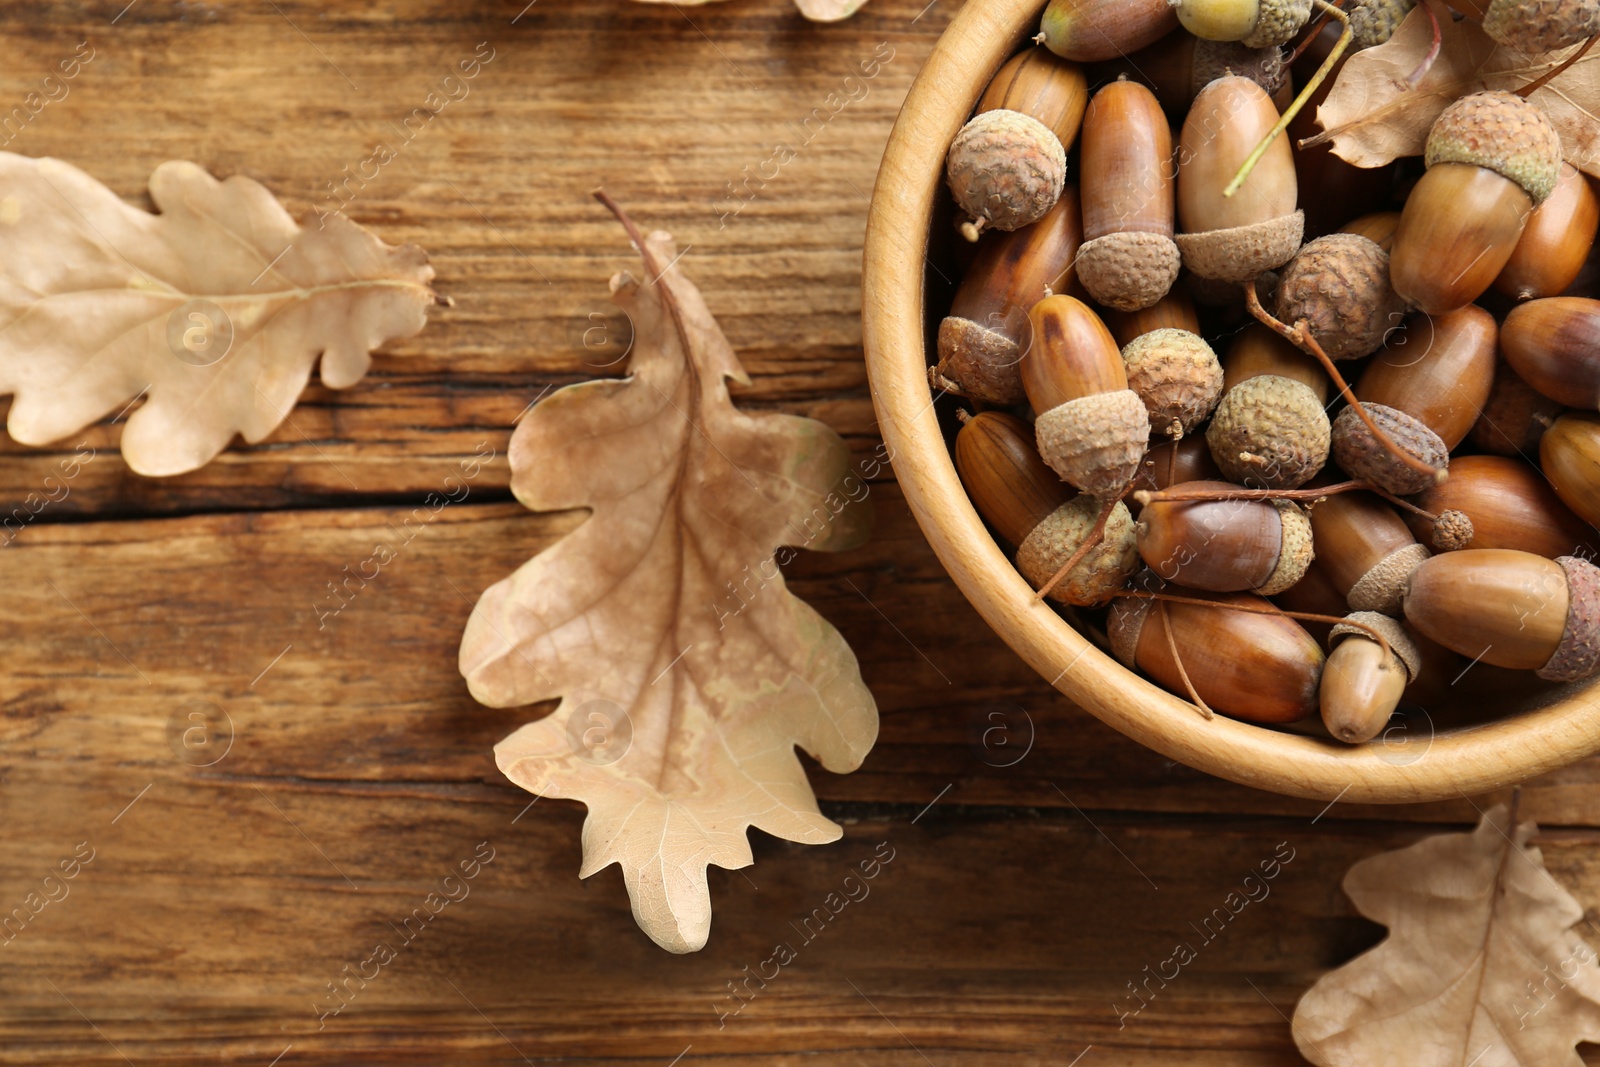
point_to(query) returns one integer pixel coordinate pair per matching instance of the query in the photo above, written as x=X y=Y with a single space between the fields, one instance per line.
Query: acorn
x=1314 y=594
x=1226 y=546
x=1425 y=391
x=1373 y=22
x=1339 y=285
x=1091 y=30
x=1363 y=682
x=1511 y=609
x=1175 y=311
x=1269 y=432
x=1234 y=239
x=1378 y=227
x=1128 y=260
x=1555 y=242
x=1175 y=462
x=1515 y=417
x=1179 y=65
x=1535 y=26
x=1005 y=170
x=1570 y=456
x=1554 y=344
x=1177 y=376
x=1254 y=23
x=1510 y=504
x=1365 y=549
x=1492 y=157
x=1042 y=86
x=1091 y=428
x=979 y=341
x=1260 y=668
x=1031 y=510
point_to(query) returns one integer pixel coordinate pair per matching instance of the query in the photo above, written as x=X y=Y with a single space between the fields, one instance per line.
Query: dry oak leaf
x=98 y=307
x=1481 y=966
x=1374 y=116
x=682 y=695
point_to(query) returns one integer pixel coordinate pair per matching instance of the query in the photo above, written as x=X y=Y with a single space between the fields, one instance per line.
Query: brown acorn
x=1515 y=417
x=1173 y=463
x=1259 y=668
x=1363 y=683
x=1042 y=86
x=1492 y=158
x=1235 y=239
x=1031 y=510
x=1179 y=65
x=1554 y=345
x=1556 y=241
x=979 y=341
x=1262 y=24
x=1177 y=376
x=1128 y=260
x=1511 y=609
x=1314 y=594
x=1425 y=390
x=1378 y=227
x=1091 y=428
x=1005 y=170
x=1511 y=505
x=1570 y=457
x=1365 y=549
x=1339 y=286
x=1226 y=546
x=1090 y=30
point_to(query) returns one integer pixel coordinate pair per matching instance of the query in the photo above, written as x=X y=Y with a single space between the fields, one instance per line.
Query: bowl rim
x=1476 y=759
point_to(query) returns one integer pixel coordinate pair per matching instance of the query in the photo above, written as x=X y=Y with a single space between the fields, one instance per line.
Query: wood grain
x=224 y=895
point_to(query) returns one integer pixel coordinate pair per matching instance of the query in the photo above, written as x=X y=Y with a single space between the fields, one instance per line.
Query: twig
x=1172 y=647
x=1096 y=535
x=1433 y=51
x=1534 y=86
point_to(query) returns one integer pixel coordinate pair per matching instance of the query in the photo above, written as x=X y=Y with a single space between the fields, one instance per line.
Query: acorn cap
x=1006 y=169
x=1383 y=587
x=1278 y=22
x=1240 y=253
x=1296 y=552
x=1502 y=132
x=1095 y=442
x=1129 y=271
x=977 y=362
x=1373 y=22
x=1218 y=59
x=1400 y=643
x=1578 y=655
x=1360 y=454
x=1339 y=284
x=1534 y=26
x=1269 y=431
x=1103 y=570
x=1452 y=531
x=1177 y=375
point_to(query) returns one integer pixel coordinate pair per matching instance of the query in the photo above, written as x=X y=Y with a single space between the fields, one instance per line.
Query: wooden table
x=1030 y=884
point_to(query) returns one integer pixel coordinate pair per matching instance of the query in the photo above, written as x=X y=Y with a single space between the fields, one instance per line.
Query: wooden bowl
x=1429 y=764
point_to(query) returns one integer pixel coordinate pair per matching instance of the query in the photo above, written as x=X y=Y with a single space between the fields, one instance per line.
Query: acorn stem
x=1183 y=673
x=1534 y=86
x=1308 y=39
x=1299 y=102
x=963 y=416
x=1302 y=338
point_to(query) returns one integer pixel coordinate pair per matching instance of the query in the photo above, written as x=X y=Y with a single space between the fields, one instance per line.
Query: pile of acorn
x=1397 y=454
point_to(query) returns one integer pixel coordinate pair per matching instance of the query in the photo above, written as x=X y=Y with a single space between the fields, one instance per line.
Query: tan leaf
x=686 y=670
x=1481 y=967
x=97 y=308
x=1374 y=116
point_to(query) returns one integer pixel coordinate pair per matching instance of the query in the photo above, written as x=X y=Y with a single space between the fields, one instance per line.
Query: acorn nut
x=1511 y=609
x=1128 y=260
x=1255 y=23
x=1091 y=30
x=1339 y=285
x=1261 y=546
x=1492 y=157
x=1554 y=345
x=1363 y=683
x=1091 y=428
x=1235 y=239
